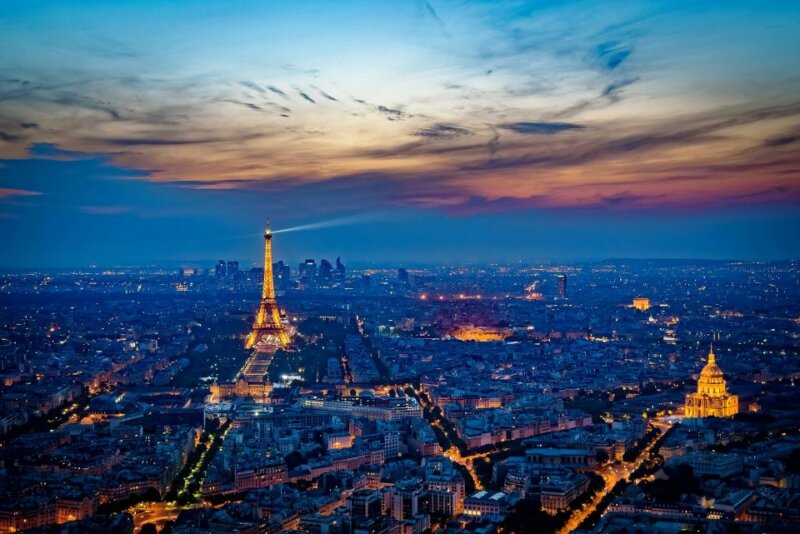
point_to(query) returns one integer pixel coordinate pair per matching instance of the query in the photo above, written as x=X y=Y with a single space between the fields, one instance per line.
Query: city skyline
x=399 y=267
x=432 y=131
x=505 y=397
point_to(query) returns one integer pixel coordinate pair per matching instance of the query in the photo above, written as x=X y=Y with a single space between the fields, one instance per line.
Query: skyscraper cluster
x=324 y=274
x=226 y=269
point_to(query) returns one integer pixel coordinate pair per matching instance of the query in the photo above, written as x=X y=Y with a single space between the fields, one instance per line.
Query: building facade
x=712 y=398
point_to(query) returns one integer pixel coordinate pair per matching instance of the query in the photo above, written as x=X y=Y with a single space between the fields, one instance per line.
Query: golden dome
x=711 y=399
x=711 y=374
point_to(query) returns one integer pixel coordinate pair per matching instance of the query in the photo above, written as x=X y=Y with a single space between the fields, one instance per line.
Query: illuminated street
x=611 y=475
x=424 y=267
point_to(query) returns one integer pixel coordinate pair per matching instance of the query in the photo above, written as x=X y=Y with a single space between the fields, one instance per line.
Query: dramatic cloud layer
x=461 y=107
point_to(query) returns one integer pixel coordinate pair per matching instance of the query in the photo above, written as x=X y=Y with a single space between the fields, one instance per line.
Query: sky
x=136 y=133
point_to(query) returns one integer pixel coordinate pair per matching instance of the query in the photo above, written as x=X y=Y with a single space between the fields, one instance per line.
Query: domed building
x=711 y=399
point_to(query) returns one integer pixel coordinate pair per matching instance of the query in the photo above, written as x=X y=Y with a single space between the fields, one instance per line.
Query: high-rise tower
x=268 y=332
x=562 y=286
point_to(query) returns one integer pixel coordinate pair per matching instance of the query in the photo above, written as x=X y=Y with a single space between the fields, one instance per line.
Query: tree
x=527 y=517
x=681 y=482
x=793 y=462
x=294 y=459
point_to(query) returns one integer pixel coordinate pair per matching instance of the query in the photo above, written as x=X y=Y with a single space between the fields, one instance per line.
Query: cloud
x=55 y=152
x=442 y=131
x=612 y=54
x=277 y=91
x=326 y=95
x=105 y=210
x=628 y=199
x=611 y=94
x=782 y=140
x=263 y=107
x=178 y=141
x=7 y=192
x=112 y=49
x=683 y=131
x=546 y=128
x=520 y=106
x=306 y=97
x=70 y=99
x=429 y=13
x=441 y=120
x=252 y=85
x=392 y=114
x=433 y=14
x=248 y=105
x=295 y=69
x=14 y=81
x=613 y=90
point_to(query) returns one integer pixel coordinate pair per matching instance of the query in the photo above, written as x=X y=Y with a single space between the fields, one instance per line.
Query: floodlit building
x=486 y=503
x=557 y=492
x=711 y=399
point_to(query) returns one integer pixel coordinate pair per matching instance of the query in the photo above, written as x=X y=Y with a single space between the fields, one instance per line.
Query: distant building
x=641 y=303
x=444 y=503
x=325 y=270
x=577 y=459
x=320 y=524
x=281 y=273
x=562 y=286
x=220 y=270
x=486 y=503
x=233 y=268
x=405 y=496
x=258 y=391
x=481 y=334
x=338 y=440
x=705 y=463
x=711 y=399
x=365 y=503
x=558 y=492
x=402 y=275
x=380 y=408
x=308 y=270
x=340 y=270
x=446 y=492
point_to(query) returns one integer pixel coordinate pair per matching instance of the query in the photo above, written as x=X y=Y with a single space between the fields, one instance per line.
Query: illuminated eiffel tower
x=268 y=333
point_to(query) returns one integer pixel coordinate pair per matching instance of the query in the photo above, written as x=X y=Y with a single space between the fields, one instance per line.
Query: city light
x=379 y=267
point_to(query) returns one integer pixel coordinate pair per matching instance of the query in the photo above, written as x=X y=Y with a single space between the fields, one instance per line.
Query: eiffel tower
x=268 y=334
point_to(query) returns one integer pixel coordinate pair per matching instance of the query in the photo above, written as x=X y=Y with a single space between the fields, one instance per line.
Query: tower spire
x=267 y=326
x=712 y=358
